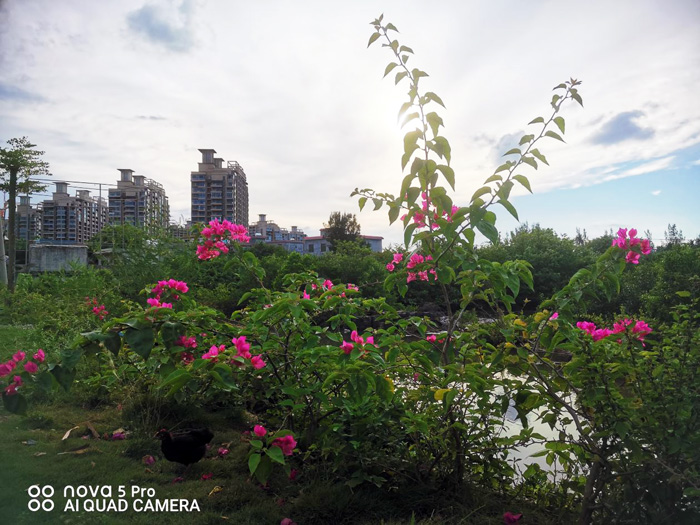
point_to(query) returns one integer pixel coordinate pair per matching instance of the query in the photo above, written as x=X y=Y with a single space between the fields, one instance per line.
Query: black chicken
x=184 y=446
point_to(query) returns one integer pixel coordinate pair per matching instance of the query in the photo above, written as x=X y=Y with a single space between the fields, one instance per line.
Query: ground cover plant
x=399 y=403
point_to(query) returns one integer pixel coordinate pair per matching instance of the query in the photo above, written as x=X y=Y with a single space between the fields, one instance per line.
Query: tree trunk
x=11 y=229
x=588 y=495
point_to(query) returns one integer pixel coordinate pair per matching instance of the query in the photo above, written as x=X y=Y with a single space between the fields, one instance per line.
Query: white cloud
x=656 y=193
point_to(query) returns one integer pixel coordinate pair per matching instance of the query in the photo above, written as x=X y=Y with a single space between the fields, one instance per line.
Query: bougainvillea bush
x=398 y=400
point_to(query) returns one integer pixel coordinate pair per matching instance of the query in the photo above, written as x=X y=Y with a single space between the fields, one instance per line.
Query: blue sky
x=289 y=90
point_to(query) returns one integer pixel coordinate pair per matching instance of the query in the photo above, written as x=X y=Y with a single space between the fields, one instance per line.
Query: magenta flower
x=149 y=460
x=213 y=352
x=40 y=356
x=257 y=362
x=510 y=519
x=187 y=358
x=305 y=295
x=178 y=480
x=259 y=430
x=431 y=338
x=390 y=267
x=31 y=367
x=19 y=356
x=207 y=476
x=410 y=277
x=554 y=316
x=286 y=443
x=632 y=257
x=153 y=302
x=288 y=521
x=118 y=436
x=223 y=451
x=328 y=284
x=5 y=370
x=398 y=257
x=346 y=347
x=293 y=474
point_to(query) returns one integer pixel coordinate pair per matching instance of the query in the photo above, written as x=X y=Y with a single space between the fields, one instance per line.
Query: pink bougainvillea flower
x=257 y=362
x=116 y=436
x=11 y=389
x=288 y=521
x=213 y=352
x=632 y=257
x=153 y=302
x=431 y=338
x=416 y=376
x=293 y=474
x=346 y=347
x=328 y=284
x=410 y=277
x=19 y=356
x=370 y=340
x=414 y=260
x=554 y=316
x=149 y=460
x=305 y=295
x=5 y=370
x=223 y=452
x=207 y=476
x=40 y=356
x=641 y=329
x=259 y=430
x=510 y=519
x=398 y=257
x=31 y=367
x=390 y=267
x=286 y=443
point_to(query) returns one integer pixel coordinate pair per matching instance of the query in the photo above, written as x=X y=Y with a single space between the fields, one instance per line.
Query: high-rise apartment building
x=269 y=232
x=219 y=192
x=28 y=222
x=70 y=219
x=139 y=201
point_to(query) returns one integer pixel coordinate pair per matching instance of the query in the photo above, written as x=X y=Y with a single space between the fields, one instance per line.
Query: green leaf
x=393 y=213
x=16 y=403
x=443 y=148
x=488 y=230
x=434 y=121
x=140 y=341
x=71 y=357
x=373 y=39
x=361 y=202
x=577 y=98
x=44 y=381
x=112 y=342
x=391 y=27
x=481 y=191
x=176 y=380
x=539 y=156
x=64 y=376
x=554 y=135
x=275 y=454
x=559 y=121
x=263 y=470
x=253 y=462
x=538 y=120
x=508 y=206
x=432 y=96
x=389 y=68
x=526 y=139
x=399 y=76
x=514 y=151
x=405 y=49
x=170 y=332
x=448 y=173
x=529 y=160
x=505 y=166
x=523 y=180
x=493 y=178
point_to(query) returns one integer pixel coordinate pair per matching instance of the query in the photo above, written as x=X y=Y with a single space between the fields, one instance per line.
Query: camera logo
x=40 y=498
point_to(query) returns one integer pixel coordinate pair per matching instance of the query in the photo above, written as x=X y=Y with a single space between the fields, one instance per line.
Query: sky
x=291 y=92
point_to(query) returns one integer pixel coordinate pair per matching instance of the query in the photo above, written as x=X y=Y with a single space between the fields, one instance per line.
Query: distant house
x=269 y=232
x=320 y=244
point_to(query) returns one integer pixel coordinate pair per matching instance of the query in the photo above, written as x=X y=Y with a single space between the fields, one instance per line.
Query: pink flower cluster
x=640 y=329
x=413 y=261
x=360 y=341
x=161 y=287
x=97 y=309
x=242 y=351
x=186 y=342
x=30 y=367
x=286 y=443
x=419 y=218
x=624 y=243
x=216 y=236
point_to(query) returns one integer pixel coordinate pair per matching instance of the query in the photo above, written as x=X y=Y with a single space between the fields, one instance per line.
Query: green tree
x=341 y=227
x=18 y=162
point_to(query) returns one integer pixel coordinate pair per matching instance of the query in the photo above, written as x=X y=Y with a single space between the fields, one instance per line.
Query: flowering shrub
x=397 y=403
